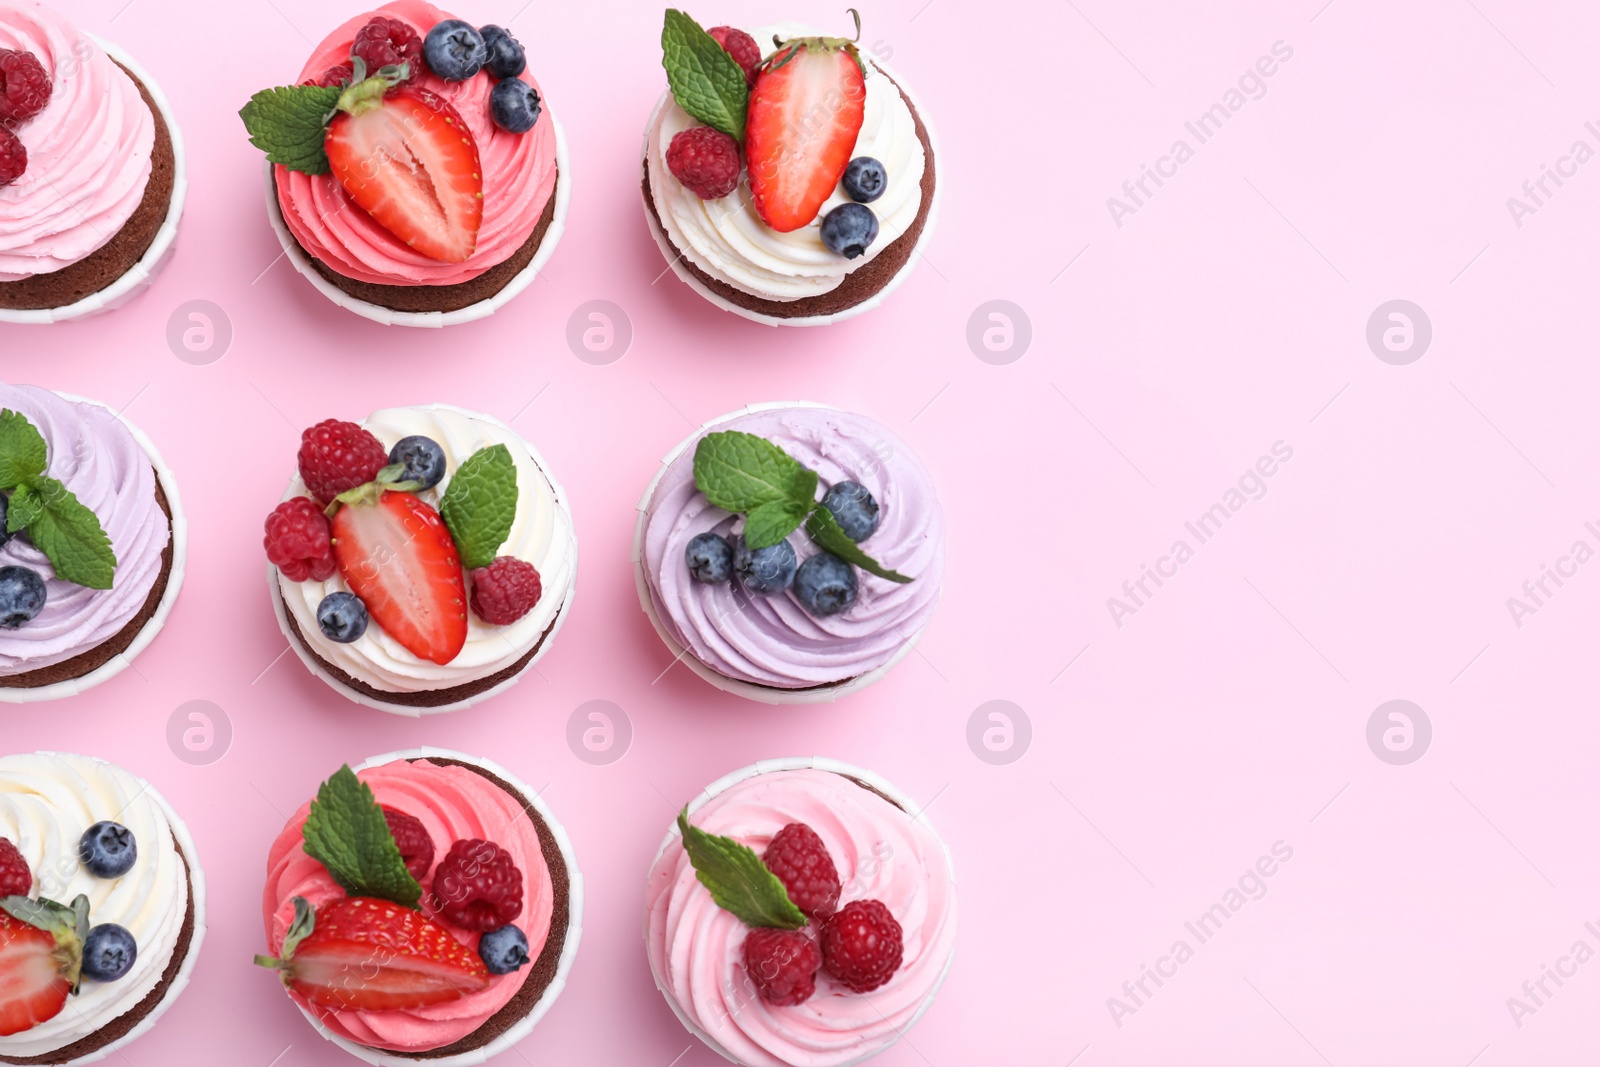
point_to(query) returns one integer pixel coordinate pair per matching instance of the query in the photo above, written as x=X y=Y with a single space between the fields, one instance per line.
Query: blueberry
x=825 y=584
x=22 y=596
x=515 y=105
x=342 y=616
x=108 y=952
x=710 y=558
x=422 y=458
x=504 y=950
x=853 y=508
x=865 y=179
x=454 y=50
x=506 y=57
x=766 y=570
x=848 y=229
x=108 y=850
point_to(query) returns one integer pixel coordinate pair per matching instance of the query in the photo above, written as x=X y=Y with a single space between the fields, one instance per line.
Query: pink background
x=1168 y=353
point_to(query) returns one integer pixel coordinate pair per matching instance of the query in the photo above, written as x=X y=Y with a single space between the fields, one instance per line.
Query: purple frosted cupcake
x=790 y=553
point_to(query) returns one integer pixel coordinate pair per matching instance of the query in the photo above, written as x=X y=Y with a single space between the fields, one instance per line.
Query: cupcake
x=788 y=178
x=91 y=547
x=480 y=201
x=764 y=589
x=798 y=914
x=421 y=561
x=424 y=907
x=102 y=908
x=91 y=170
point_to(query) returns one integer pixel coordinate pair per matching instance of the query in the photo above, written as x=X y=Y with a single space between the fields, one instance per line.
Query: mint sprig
x=347 y=833
x=480 y=504
x=290 y=124
x=58 y=524
x=737 y=879
x=705 y=80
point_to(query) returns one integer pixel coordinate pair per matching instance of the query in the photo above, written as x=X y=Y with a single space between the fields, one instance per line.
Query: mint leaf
x=770 y=523
x=290 y=123
x=22 y=449
x=739 y=882
x=65 y=531
x=347 y=833
x=480 y=504
x=706 y=81
x=740 y=472
x=824 y=529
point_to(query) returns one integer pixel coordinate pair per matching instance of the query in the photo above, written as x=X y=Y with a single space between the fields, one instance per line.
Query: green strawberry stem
x=787 y=50
x=365 y=94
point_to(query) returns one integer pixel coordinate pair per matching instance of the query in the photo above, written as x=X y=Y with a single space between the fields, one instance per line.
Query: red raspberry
x=335 y=456
x=386 y=42
x=801 y=861
x=13 y=157
x=24 y=86
x=782 y=964
x=334 y=76
x=742 y=47
x=416 y=847
x=15 y=878
x=861 y=945
x=705 y=160
x=505 y=590
x=476 y=886
x=299 y=542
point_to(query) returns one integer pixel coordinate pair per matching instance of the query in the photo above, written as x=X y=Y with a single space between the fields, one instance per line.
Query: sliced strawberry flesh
x=398 y=557
x=32 y=990
x=805 y=116
x=356 y=975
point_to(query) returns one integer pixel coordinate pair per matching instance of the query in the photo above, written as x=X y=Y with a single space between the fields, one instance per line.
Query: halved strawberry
x=397 y=555
x=39 y=964
x=366 y=954
x=805 y=115
x=404 y=155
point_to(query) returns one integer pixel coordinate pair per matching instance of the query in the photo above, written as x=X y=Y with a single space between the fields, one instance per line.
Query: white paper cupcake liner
x=675 y=256
x=142 y=273
x=823 y=694
x=569 y=946
x=180 y=553
x=793 y=763
x=282 y=612
x=433 y=319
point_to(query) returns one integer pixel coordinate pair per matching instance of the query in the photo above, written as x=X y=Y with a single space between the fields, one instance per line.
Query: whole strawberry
x=801 y=861
x=477 y=886
x=862 y=945
x=782 y=964
x=24 y=86
x=336 y=456
x=298 y=541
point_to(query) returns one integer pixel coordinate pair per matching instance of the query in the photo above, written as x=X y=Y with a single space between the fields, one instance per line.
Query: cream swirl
x=882 y=854
x=97 y=457
x=772 y=640
x=726 y=238
x=541 y=534
x=88 y=150
x=47 y=801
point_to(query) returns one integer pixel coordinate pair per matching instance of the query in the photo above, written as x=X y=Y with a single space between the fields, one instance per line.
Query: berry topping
x=15 y=878
x=24 y=86
x=342 y=617
x=865 y=179
x=455 y=50
x=22 y=596
x=706 y=161
x=416 y=847
x=336 y=456
x=386 y=42
x=108 y=849
x=861 y=945
x=801 y=861
x=298 y=542
x=782 y=964
x=853 y=509
x=397 y=556
x=825 y=585
x=108 y=952
x=341 y=76
x=504 y=950
x=476 y=886
x=422 y=459
x=13 y=157
x=434 y=203
x=848 y=229
x=514 y=105
x=742 y=47
x=366 y=954
x=505 y=590
x=506 y=57
x=766 y=570
x=710 y=558
x=33 y=988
